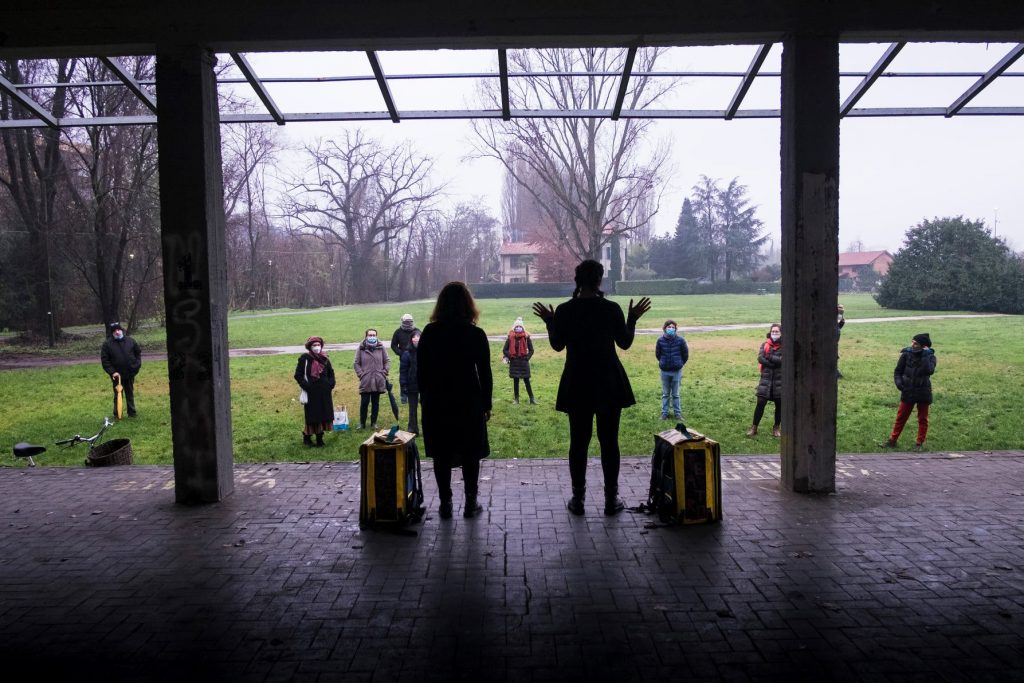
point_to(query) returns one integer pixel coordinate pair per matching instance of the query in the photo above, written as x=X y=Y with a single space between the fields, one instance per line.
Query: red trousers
x=903 y=414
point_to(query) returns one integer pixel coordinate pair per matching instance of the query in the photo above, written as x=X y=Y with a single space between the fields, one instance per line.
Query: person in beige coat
x=371 y=365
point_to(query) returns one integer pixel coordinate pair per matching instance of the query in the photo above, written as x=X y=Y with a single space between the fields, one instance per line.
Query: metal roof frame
x=40 y=118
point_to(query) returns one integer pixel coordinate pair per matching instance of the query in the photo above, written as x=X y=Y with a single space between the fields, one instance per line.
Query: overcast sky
x=894 y=171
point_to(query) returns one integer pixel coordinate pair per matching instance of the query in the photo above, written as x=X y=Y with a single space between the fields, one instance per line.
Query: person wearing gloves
x=517 y=353
x=121 y=358
x=316 y=376
x=769 y=388
x=672 y=353
x=371 y=365
x=400 y=342
x=913 y=377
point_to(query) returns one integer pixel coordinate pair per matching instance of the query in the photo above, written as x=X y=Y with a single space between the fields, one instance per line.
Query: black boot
x=320 y=440
x=575 y=504
x=446 y=508
x=307 y=440
x=613 y=505
x=473 y=506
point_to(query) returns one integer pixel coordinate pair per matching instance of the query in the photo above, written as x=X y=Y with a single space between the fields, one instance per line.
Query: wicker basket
x=113 y=452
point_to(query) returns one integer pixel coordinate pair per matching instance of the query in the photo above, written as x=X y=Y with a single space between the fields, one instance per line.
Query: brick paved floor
x=914 y=571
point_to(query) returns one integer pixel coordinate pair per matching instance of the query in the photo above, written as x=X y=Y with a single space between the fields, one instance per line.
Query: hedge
x=522 y=290
x=684 y=286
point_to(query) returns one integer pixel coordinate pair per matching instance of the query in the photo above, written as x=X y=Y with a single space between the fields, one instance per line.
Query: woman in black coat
x=913 y=377
x=316 y=376
x=517 y=352
x=769 y=387
x=594 y=383
x=454 y=373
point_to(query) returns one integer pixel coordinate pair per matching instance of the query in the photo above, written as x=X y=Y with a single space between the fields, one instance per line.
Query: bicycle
x=29 y=451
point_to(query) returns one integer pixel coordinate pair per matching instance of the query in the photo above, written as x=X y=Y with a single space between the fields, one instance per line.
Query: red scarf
x=517 y=344
x=317 y=367
x=769 y=348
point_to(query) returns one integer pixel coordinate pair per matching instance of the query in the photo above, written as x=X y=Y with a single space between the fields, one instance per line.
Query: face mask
x=518 y=330
x=315 y=348
x=119 y=335
x=670 y=331
x=371 y=340
x=776 y=337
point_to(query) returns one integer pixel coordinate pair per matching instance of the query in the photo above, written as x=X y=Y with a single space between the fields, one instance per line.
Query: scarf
x=517 y=344
x=769 y=347
x=408 y=325
x=319 y=359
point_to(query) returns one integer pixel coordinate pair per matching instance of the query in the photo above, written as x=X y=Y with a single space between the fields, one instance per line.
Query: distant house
x=519 y=261
x=851 y=263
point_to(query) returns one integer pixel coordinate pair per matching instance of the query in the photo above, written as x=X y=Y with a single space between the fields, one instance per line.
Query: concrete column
x=195 y=273
x=810 y=257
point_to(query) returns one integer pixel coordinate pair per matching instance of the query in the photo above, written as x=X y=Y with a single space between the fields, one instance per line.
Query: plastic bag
x=303 y=397
x=341 y=419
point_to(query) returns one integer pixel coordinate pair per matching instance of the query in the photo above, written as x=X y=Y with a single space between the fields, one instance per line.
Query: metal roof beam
x=503 y=79
x=748 y=80
x=28 y=103
x=382 y=82
x=984 y=81
x=872 y=76
x=257 y=85
x=115 y=67
x=627 y=68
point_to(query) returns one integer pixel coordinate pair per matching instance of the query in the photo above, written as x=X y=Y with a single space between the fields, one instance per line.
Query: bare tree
x=32 y=170
x=359 y=195
x=587 y=176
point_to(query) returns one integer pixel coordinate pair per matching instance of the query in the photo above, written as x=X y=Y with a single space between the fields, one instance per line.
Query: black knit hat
x=923 y=339
x=116 y=326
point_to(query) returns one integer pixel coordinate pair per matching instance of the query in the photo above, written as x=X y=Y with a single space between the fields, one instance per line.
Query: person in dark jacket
x=769 y=388
x=400 y=341
x=121 y=358
x=593 y=382
x=315 y=375
x=517 y=353
x=840 y=322
x=408 y=367
x=672 y=353
x=372 y=365
x=456 y=387
x=913 y=377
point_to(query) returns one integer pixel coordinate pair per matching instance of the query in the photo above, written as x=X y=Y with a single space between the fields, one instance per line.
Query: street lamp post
x=995 y=223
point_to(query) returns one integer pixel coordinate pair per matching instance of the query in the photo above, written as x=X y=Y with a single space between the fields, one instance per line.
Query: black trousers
x=127 y=393
x=759 y=410
x=581 y=428
x=414 y=401
x=364 y=402
x=515 y=387
x=443 y=476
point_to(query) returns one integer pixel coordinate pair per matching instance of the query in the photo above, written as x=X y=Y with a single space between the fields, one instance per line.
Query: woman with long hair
x=594 y=383
x=454 y=372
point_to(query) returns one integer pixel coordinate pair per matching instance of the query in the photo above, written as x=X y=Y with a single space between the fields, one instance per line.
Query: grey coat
x=372 y=365
x=770 y=386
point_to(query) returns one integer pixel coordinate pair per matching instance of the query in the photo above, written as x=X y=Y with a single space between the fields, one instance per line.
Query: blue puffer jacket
x=671 y=352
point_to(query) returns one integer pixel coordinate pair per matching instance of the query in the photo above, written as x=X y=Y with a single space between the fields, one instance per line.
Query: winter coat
x=402 y=339
x=124 y=357
x=593 y=379
x=913 y=375
x=407 y=369
x=770 y=386
x=671 y=352
x=320 y=408
x=454 y=372
x=372 y=365
x=518 y=367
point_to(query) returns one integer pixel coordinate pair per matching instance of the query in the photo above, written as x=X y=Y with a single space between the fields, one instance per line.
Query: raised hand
x=545 y=313
x=641 y=307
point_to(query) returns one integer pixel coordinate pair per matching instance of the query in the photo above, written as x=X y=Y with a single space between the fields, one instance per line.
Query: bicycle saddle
x=27 y=450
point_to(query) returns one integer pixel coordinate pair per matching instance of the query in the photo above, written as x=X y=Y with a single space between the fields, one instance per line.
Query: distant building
x=851 y=263
x=519 y=261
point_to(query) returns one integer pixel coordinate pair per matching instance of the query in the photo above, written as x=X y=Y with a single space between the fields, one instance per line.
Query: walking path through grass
x=14 y=362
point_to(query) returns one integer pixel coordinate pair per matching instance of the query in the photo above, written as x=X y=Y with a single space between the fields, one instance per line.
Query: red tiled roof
x=860 y=258
x=520 y=249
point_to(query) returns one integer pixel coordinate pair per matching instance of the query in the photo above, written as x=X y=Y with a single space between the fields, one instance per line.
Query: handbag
x=303 y=397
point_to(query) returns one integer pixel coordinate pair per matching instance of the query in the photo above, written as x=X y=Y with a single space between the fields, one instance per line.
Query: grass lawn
x=978 y=389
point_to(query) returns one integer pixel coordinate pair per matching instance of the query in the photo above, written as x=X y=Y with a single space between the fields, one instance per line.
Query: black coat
x=402 y=339
x=124 y=357
x=913 y=375
x=408 y=367
x=770 y=385
x=518 y=367
x=593 y=379
x=320 y=408
x=454 y=372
